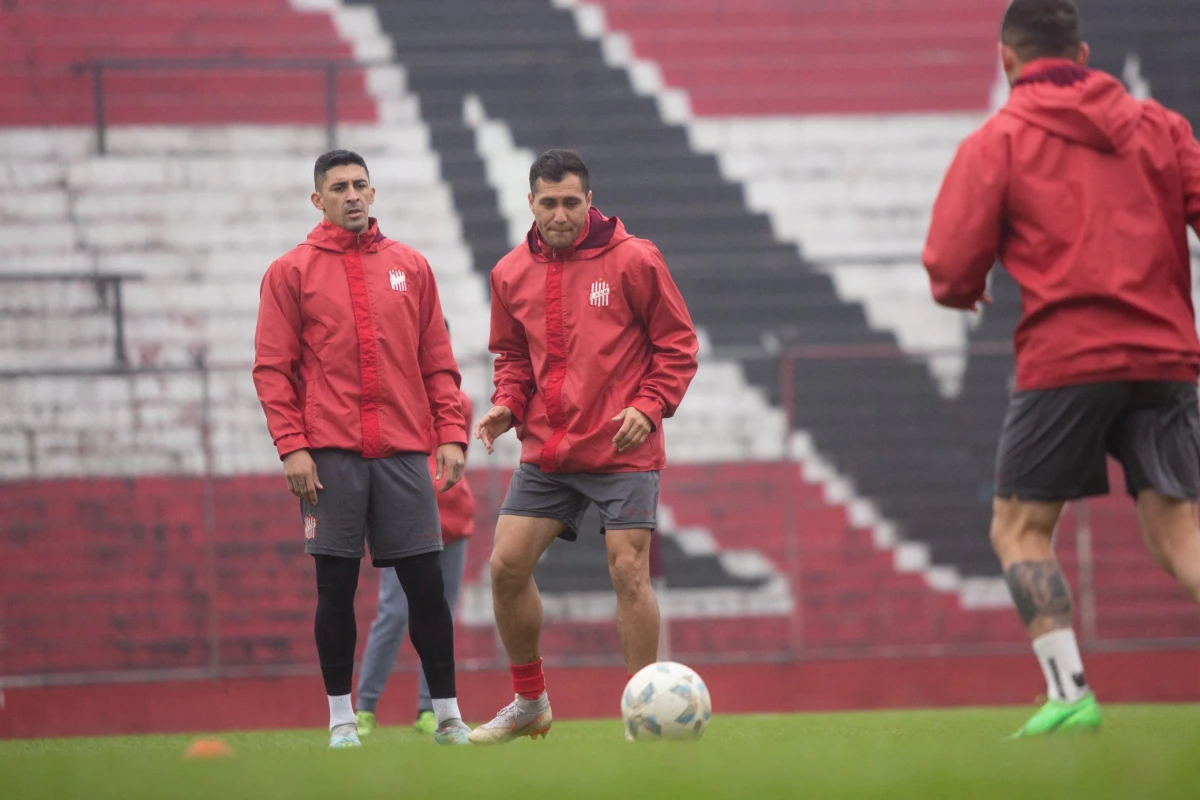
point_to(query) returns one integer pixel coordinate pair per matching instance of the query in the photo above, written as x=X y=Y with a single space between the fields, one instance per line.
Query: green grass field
x=1144 y=752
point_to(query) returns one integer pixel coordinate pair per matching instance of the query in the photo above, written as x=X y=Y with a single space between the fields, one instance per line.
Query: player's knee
x=1172 y=531
x=1003 y=537
x=509 y=573
x=337 y=578
x=420 y=578
x=1171 y=544
x=630 y=573
x=1022 y=531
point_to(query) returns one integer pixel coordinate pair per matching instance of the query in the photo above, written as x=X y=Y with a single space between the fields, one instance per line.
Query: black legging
x=335 y=627
x=430 y=624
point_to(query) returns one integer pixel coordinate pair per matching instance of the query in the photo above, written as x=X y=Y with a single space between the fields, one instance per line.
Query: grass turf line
x=1144 y=751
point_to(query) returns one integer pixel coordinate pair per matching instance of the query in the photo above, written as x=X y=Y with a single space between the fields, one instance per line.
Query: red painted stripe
x=368 y=357
x=556 y=361
x=594 y=692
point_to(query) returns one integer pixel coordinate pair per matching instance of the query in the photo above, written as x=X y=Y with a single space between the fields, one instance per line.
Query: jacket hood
x=327 y=236
x=1078 y=104
x=599 y=235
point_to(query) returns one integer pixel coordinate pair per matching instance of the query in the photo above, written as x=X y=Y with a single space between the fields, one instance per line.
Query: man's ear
x=317 y=201
x=1010 y=62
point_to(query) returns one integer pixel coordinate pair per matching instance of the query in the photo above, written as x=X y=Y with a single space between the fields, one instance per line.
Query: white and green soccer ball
x=665 y=700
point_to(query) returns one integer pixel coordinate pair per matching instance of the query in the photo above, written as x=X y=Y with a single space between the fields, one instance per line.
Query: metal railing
x=330 y=69
x=326 y=67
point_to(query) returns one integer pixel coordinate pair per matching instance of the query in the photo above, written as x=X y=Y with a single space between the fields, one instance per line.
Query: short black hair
x=554 y=165
x=1042 y=29
x=336 y=158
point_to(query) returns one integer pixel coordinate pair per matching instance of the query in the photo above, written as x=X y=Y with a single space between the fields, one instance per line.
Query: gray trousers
x=387 y=631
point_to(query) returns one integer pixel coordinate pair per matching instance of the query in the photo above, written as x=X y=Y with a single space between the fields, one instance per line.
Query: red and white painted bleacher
x=839 y=139
x=205 y=181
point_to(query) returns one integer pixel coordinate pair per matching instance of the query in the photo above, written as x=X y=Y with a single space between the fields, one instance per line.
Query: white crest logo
x=600 y=292
x=399 y=283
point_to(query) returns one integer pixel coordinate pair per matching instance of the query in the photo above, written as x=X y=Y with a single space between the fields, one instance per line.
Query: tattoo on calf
x=1039 y=589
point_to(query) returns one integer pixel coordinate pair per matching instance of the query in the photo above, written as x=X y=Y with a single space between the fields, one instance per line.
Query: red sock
x=528 y=679
x=629 y=677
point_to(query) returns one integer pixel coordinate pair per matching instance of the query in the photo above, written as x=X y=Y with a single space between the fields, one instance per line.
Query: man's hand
x=986 y=300
x=493 y=424
x=450 y=463
x=301 y=473
x=635 y=427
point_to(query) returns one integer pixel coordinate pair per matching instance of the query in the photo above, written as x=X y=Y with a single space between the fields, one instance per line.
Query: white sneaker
x=344 y=736
x=519 y=718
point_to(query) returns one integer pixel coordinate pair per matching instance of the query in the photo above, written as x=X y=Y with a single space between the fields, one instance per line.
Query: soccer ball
x=665 y=701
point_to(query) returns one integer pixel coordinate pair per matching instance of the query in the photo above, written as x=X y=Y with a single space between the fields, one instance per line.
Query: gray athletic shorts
x=1054 y=441
x=625 y=500
x=389 y=502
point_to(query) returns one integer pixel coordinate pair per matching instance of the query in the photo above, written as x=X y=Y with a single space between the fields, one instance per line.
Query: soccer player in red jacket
x=354 y=369
x=1085 y=195
x=594 y=349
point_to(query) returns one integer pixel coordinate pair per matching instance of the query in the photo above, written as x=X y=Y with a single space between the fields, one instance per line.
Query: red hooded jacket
x=351 y=350
x=456 y=507
x=582 y=333
x=1084 y=194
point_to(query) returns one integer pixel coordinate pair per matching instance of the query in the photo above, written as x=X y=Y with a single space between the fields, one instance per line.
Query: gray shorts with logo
x=391 y=503
x=625 y=500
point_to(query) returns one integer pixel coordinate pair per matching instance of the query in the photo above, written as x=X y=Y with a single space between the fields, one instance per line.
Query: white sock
x=1058 y=654
x=446 y=708
x=341 y=711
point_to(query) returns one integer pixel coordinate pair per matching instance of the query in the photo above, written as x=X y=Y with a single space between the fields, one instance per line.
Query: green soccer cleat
x=366 y=723
x=452 y=731
x=344 y=737
x=426 y=723
x=1056 y=716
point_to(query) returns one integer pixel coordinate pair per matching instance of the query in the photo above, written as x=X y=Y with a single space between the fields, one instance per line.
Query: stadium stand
x=744 y=285
x=197 y=211
x=787 y=222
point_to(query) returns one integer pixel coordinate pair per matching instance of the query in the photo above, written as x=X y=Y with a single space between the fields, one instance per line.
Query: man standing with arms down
x=594 y=349
x=353 y=367
x=456 y=509
x=1085 y=195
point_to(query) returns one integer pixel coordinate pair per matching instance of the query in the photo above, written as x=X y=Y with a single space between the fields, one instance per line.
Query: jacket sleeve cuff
x=650 y=408
x=452 y=434
x=286 y=445
x=512 y=404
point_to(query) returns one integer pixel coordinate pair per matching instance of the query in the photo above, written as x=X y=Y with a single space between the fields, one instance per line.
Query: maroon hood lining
x=600 y=232
x=1063 y=75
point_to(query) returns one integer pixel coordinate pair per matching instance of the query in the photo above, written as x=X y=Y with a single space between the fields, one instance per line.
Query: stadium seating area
x=46 y=42
x=791 y=213
x=765 y=57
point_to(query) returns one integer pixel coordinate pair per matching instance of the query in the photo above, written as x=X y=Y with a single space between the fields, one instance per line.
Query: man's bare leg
x=519 y=544
x=1172 y=531
x=637 y=607
x=1021 y=536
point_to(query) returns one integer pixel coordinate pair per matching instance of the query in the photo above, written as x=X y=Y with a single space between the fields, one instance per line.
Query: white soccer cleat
x=519 y=718
x=344 y=736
